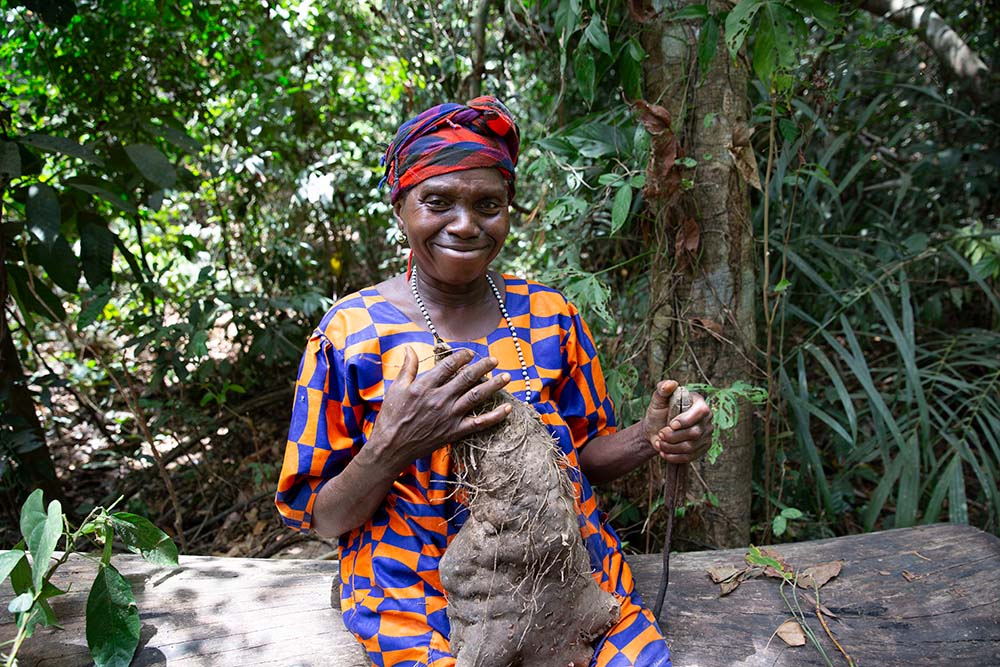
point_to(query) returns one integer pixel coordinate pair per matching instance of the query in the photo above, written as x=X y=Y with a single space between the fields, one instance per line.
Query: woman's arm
x=418 y=415
x=682 y=440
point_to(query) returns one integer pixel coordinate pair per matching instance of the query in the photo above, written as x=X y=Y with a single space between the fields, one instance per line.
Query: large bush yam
x=517 y=575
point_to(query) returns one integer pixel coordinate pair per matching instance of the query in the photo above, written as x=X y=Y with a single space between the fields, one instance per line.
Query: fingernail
x=505 y=377
x=674 y=425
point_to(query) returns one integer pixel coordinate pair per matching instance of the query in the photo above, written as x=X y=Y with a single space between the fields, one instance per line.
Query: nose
x=463 y=223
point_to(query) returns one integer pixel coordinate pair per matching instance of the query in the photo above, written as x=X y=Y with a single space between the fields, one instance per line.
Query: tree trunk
x=35 y=467
x=703 y=298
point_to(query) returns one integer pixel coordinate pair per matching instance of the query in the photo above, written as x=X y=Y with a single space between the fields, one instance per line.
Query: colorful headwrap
x=452 y=137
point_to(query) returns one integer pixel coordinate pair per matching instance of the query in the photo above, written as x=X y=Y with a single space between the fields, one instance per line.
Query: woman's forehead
x=485 y=181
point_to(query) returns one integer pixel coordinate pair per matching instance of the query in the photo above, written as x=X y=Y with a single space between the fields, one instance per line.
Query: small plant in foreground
x=112 y=616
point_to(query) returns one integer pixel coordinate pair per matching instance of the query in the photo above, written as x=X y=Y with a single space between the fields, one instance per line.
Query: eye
x=437 y=203
x=490 y=207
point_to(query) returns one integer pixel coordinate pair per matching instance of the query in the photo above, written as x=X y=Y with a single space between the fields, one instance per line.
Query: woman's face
x=456 y=223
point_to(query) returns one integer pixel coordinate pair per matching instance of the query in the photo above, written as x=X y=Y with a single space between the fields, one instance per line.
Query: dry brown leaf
x=822 y=607
x=640 y=11
x=791 y=633
x=727 y=587
x=885 y=573
x=686 y=243
x=720 y=573
x=909 y=576
x=817 y=575
x=654 y=118
x=702 y=326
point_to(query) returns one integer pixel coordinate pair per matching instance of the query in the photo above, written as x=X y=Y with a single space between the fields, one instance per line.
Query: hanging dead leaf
x=700 y=326
x=654 y=118
x=686 y=243
x=746 y=164
x=791 y=633
x=720 y=573
x=641 y=11
x=663 y=180
x=817 y=575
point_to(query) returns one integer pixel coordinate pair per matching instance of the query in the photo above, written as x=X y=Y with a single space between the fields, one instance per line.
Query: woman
x=367 y=457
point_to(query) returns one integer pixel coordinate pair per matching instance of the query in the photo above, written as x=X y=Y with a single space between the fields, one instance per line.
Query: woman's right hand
x=422 y=413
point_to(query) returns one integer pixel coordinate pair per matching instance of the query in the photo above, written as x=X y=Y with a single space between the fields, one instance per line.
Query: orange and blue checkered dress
x=391 y=594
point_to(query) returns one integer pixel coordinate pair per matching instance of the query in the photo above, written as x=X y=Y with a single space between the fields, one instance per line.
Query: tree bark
x=35 y=467
x=703 y=301
x=960 y=60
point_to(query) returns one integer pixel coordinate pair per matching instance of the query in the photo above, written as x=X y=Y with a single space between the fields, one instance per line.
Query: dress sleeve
x=583 y=400
x=325 y=432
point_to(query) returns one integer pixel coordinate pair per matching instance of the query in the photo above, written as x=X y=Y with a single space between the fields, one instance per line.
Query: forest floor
x=223 y=467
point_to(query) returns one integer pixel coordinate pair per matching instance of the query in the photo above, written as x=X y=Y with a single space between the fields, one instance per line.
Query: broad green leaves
x=779 y=28
x=152 y=164
x=112 y=619
x=142 y=537
x=41 y=529
x=43 y=215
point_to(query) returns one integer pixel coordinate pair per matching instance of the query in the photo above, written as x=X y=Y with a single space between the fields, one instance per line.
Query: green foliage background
x=188 y=185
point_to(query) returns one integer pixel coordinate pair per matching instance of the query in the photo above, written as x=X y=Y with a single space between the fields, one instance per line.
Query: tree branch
x=473 y=84
x=964 y=63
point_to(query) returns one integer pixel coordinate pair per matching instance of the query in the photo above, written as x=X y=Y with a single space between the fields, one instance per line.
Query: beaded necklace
x=503 y=311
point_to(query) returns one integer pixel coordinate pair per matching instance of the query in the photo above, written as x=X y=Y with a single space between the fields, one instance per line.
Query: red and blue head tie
x=452 y=137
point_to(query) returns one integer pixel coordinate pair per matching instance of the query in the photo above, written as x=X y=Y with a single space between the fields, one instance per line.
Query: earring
x=402 y=239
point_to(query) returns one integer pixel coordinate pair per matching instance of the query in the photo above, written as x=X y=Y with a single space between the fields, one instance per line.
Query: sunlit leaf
x=41 y=529
x=620 y=207
x=140 y=536
x=112 y=620
x=43 y=214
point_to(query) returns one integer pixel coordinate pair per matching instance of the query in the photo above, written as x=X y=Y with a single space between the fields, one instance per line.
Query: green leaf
x=597 y=35
x=708 y=43
x=586 y=72
x=8 y=561
x=97 y=249
x=778 y=525
x=102 y=189
x=21 y=603
x=620 y=208
x=152 y=164
x=41 y=530
x=62 y=264
x=763 y=51
x=142 y=537
x=42 y=210
x=94 y=306
x=782 y=285
x=112 y=620
x=690 y=12
x=10 y=161
x=33 y=295
x=738 y=24
x=63 y=146
x=825 y=14
x=791 y=513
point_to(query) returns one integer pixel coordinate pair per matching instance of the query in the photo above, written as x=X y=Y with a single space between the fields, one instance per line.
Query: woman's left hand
x=684 y=438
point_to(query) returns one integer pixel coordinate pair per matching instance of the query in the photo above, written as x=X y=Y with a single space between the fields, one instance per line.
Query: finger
x=445 y=369
x=673 y=437
x=481 y=391
x=473 y=374
x=476 y=423
x=661 y=396
x=408 y=369
x=684 y=452
x=698 y=411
